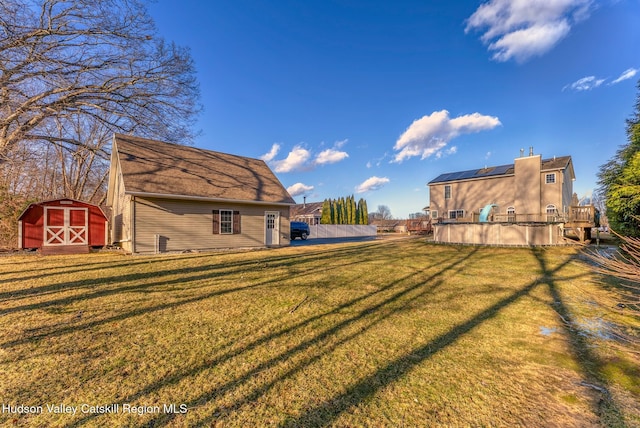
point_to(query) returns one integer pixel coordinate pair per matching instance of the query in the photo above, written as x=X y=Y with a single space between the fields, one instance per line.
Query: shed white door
x=65 y=226
x=271 y=228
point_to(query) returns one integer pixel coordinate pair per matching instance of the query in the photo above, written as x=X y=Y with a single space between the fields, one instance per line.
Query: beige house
x=309 y=212
x=168 y=197
x=529 y=202
x=531 y=189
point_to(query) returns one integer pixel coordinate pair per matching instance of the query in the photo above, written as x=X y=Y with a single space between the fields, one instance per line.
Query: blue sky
x=376 y=98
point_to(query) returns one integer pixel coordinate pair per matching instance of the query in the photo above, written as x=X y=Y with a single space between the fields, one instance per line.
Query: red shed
x=62 y=226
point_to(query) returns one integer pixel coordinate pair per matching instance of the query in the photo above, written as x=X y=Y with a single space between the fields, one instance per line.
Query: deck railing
x=576 y=214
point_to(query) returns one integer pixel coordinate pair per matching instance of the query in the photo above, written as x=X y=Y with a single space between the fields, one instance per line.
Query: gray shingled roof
x=306 y=209
x=159 y=168
x=494 y=171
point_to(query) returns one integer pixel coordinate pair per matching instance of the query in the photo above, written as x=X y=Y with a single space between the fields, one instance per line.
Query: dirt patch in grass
x=392 y=333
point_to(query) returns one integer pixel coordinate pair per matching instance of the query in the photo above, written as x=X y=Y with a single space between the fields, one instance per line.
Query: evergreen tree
x=619 y=181
x=332 y=204
x=365 y=212
x=344 y=211
x=326 y=212
x=623 y=199
x=354 y=210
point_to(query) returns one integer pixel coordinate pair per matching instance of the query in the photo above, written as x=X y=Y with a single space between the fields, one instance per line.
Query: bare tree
x=81 y=171
x=624 y=265
x=66 y=61
x=418 y=215
x=384 y=212
x=73 y=72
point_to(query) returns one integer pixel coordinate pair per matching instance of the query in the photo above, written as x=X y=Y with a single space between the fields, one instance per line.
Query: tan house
x=168 y=197
x=529 y=202
x=531 y=189
x=309 y=212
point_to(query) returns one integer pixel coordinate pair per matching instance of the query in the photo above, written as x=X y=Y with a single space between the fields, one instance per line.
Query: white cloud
x=299 y=158
x=521 y=29
x=585 y=84
x=430 y=134
x=339 y=144
x=268 y=157
x=627 y=74
x=299 y=189
x=371 y=183
x=296 y=160
x=330 y=156
x=450 y=151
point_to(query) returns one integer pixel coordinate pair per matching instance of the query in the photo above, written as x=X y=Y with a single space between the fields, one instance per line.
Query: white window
x=551 y=212
x=447 y=192
x=434 y=214
x=550 y=178
x=456 y=213
x=226 y=222
x=511 y=214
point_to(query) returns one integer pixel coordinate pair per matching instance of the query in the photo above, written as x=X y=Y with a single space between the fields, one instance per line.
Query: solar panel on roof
x=474 y=173
x=502 y=169
x=469 y=174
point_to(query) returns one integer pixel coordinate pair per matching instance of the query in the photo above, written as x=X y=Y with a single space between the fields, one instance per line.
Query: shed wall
x=32 y=223
x=184 y=225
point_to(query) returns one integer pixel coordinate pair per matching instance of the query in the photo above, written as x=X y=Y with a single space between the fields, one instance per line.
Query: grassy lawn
x=386 y=333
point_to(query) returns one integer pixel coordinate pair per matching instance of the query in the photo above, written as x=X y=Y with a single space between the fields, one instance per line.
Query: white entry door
x=271 y=228
x=65 y=226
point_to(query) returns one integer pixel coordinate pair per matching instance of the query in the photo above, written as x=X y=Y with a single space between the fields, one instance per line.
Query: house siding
x=526 y=190
x=527 y=184
x=472 y=195
x=567 y=189
x=121 y=232
x=177 y=225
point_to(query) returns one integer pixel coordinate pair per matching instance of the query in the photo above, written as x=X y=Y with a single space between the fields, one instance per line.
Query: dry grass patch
x=363 y=334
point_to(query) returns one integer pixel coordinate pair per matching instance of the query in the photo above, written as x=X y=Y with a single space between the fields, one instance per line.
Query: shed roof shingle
x=159 y=168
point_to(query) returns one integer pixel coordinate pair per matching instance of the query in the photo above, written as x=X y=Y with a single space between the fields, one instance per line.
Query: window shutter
x=236 y=222
x=216 y=222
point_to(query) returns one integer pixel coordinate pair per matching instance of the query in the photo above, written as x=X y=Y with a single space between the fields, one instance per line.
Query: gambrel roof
x=556 y=163
x=158 y=169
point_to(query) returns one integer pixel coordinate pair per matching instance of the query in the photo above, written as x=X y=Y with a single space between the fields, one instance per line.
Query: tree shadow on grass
x=341 y=259
x=376 y=311
x=206 y=271
x=590 y=365
x=274 y=258
x=327 y=412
